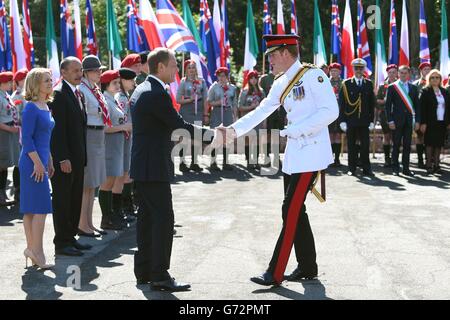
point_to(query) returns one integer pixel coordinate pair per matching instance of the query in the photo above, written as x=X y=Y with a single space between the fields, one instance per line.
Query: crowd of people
x=71 y=142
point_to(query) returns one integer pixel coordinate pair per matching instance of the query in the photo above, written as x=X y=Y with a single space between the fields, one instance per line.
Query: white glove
x=371 y=126
x=219 y=139
x=343 y=126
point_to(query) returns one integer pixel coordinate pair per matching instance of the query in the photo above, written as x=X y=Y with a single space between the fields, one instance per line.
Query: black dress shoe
x=169 y=285
x=69 y=251
x=298 y=274
x=227 y=167
x=408 y=173
x=368 y=173
x=80 y=246
x=195 y=167
x=266 y=279
x=214 y=167
x=183 y=167
x=141 y=281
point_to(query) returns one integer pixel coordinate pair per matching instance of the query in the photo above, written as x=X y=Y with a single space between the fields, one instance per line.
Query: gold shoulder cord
x=297 y=78
x=355 y=105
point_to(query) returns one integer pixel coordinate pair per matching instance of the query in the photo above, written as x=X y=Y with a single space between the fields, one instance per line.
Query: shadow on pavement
x=314 y=290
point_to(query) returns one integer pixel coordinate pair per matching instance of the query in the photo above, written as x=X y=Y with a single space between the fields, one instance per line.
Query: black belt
x=11 y=124
x=96 y=127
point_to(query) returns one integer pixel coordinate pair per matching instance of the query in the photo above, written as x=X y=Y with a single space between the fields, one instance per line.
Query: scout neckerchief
x=121 y=106
x=195 y=89
x=13 y=111
x=225 y=99
x=102 y=102
x=401 y=91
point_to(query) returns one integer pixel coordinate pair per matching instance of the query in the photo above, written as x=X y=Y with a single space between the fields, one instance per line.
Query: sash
x=296 y=79
x=405 y=97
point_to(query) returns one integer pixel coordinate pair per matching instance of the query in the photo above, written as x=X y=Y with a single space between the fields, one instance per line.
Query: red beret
x=220 y=70
x=6 y=76
x=424 y=65
x=252 y=74
x=109 y=76
x=20 y=74
x=188 y=62
x=131 y=60
x=391 y=66
x=335 y=65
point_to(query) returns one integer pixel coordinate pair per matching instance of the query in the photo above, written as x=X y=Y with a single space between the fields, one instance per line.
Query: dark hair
x=157 y=56
x=253 y=88
x=104 y=86
x=67 y=61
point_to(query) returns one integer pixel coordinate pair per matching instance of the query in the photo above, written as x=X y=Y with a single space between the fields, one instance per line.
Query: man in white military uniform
x=307 y=95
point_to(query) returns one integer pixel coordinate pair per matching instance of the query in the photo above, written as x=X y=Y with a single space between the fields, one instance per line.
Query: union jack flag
x=209 y=39
x=362 y=40
x=90 y=30
x=424 y=49
x=67 y=30
x=178 y=36
x=267 y=23
x=393 y=42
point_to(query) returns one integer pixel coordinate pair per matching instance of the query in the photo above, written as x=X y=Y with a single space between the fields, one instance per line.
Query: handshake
x=223 y=136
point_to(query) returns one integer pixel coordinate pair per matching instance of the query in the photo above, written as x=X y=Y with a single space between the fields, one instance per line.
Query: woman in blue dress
x=36 y=163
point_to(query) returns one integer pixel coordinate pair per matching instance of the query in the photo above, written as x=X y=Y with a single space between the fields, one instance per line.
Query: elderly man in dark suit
x=68 y=147
x=403 y=114
x=154 y=120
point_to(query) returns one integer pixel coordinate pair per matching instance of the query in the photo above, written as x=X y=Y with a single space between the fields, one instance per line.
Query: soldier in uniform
x=357 y=102
x=306 y=94
x=9 y=135
x=425 y=68
x=223 y=98
x=392 y=72
x=335 y=131
x=127 y=84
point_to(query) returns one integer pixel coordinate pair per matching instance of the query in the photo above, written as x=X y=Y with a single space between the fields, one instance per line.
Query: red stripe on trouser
x=291 y=225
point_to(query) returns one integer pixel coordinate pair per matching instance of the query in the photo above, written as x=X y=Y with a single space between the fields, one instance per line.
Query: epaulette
x=309 y=65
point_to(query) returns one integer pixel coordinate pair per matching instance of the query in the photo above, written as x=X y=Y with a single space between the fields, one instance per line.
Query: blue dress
x=37 y=126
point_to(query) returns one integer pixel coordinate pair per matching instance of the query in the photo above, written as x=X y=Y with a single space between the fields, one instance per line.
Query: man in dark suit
x=356 y=104
x=68 y=147
x=154 y=120
x=402 y=111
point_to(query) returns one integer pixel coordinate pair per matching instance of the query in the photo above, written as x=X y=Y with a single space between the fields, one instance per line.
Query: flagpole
x=182 y=66
x=264 y=64
x=110 y=60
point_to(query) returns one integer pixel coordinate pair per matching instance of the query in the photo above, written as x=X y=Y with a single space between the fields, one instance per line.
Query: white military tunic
x=308 y=146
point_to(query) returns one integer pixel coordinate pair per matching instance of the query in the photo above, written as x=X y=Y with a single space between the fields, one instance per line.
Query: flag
x=424 y=49
x=5 y=45
x=267 y=23
x=136 y=40
x=218 y=28
x=19 y=56
x=113 y=36
x=202 y=69
x=336 y=37
x=67 y=31
x=150 y=25
x=294 y=23
x=90 y=30
x=175 y=32
x=320 y=56
x=27 y=34
x=347 y=53
x=362 y=39
x=404 y=37
x=209 y=39
x=144 y=44
x=393 y=42
x=251 y=43
x=380 y=53
x=77 y=30
x=226 y=40
x=52 y=48
x=444 y=56
x=280 y=18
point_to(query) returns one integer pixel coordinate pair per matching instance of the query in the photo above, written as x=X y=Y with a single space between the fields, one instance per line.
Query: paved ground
x=381 y=238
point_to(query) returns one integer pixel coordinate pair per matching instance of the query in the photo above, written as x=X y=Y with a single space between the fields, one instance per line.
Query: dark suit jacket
x=68 y=140
x=396 y=109
x=428 y=106
x=367 y=105
x=154 y=119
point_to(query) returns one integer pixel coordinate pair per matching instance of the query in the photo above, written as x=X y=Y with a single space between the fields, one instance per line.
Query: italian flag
x=113 y=36
x=52 y=48
x=318 y=45
x=380 y=52
x=444 y=57
x=251 y=43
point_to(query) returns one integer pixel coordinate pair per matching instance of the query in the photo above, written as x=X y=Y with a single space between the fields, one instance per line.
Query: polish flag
x=348 y=46
x=280 y=18
x=18 y=51
x=151 y=25
x=78 y=40
x=404 y=38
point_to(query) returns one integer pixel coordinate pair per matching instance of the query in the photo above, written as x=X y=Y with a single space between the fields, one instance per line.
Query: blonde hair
x=432 y=72
x=33 y=82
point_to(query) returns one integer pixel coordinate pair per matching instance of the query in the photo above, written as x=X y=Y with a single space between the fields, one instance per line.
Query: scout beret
x=6 y=76
x=252 y=74
x=109 y=76
x=424 y=65
x=391 y=66
x=221 y=70
x=131 y=60
x=127 y=74
x=335 y=65
x=20 y=75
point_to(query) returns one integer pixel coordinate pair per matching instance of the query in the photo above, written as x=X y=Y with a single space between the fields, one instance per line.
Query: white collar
x=159 y=80
x=292 y=71
x=71 y=86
